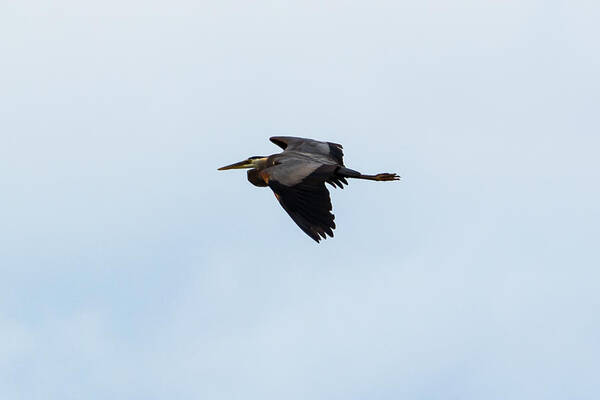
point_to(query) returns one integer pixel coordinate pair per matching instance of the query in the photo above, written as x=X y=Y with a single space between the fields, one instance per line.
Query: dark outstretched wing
x=309 y=205
x=308 y=201
x=332 y=150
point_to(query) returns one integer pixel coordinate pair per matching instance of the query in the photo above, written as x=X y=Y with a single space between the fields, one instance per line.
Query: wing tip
x=317 y=237
x=278 y=141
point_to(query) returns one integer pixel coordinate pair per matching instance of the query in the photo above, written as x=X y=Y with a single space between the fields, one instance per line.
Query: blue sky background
x=132 y=269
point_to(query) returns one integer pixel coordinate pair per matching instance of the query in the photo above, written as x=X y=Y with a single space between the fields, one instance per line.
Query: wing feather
x=296 y=144
x=308 y=204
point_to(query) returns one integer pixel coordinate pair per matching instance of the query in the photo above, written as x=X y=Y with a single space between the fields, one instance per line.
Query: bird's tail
x=350 y=173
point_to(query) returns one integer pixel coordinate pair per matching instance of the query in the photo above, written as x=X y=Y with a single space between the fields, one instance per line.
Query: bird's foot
x=387 y=177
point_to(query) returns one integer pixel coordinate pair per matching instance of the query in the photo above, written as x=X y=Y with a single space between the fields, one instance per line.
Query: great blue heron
x=297 y=176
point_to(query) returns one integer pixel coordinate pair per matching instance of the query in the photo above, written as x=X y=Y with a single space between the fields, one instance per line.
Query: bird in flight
x=298 y=175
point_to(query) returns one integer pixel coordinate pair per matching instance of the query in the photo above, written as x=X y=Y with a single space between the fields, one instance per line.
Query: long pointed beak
x=238 y=165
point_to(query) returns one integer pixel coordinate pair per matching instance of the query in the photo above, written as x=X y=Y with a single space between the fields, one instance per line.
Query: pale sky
x=132 y=269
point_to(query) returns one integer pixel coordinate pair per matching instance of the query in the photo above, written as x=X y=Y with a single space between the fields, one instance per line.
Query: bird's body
x=297 y=176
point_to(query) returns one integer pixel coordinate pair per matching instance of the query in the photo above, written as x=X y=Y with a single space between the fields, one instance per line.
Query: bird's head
x=251 y=162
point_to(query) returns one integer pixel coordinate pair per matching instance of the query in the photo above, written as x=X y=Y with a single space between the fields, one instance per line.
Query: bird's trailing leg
x=349 y=173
